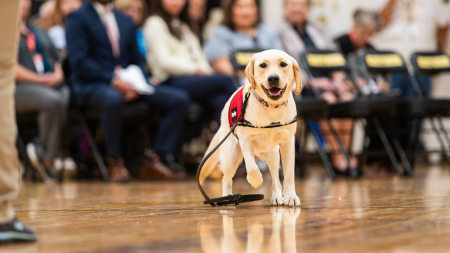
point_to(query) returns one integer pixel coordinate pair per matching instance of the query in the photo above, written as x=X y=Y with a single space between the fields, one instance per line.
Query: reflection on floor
x=376 y=213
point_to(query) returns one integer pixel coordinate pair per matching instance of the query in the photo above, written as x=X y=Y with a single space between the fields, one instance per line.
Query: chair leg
x=26 y=160
x=387 y=146
x=414 y=140
x=353 y=172
x=441 y=141
x=403 y=157
x=37 y=167
x=321 y=150
x=94 y=148
x=441 y=125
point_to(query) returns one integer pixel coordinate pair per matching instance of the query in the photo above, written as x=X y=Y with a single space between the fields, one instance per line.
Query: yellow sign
x=325 y=60
x=243 y=58
x=433 y=62
x=384 y=60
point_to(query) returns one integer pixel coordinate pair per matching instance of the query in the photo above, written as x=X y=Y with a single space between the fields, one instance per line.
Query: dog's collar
x=267 y=104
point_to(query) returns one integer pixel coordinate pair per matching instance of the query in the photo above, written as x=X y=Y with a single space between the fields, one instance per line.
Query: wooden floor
x=380 y=213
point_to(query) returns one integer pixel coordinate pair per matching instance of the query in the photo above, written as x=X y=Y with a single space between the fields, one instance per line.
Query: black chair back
x=241 y=57
x=382 y=62
x=324 y=61
x=430 y=63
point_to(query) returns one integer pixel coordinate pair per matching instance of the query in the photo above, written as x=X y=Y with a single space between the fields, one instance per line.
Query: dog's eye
x=263 y=65
x=283 y=64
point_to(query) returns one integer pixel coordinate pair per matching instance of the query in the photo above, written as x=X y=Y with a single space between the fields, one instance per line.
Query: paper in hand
x=133 y=75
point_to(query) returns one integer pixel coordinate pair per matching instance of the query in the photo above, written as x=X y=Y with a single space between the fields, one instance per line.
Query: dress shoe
x=154 y=169
x=117 y=171
x=169 y=161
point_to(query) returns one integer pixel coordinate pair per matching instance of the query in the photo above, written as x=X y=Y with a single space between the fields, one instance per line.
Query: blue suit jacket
x=89 y=49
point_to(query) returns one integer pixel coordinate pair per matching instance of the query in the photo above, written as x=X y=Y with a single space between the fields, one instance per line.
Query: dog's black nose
x=274 y=79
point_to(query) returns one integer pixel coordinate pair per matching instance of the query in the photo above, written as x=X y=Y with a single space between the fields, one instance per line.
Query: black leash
x=230 y=199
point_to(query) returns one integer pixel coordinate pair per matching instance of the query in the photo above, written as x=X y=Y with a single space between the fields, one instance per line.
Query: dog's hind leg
x=272 y=159
x=213 y=160
x=230 y=158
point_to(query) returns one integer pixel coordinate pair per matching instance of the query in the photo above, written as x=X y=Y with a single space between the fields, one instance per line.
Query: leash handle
x=241 y=118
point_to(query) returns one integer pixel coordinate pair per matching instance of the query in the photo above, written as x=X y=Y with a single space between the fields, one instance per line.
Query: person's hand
x=122 y=86
x=51 y=80
x=383 y=85
x=201 y=72
x=126 y=89
x=341 y=86
x=323 y=83
x=131 y=95
x=154 y=81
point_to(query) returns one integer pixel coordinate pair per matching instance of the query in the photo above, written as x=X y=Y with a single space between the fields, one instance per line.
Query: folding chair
x=80 y=111
x=241 y=57
x=429 y=64
x=366 y=107
x=373 y=62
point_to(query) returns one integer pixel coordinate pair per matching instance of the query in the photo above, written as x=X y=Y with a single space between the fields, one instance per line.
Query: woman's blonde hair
x=58 y=16
x=122 y=5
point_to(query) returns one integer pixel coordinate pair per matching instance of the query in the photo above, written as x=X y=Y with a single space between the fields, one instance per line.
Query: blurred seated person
x=177 y=60
x=365 y=25
x=56 y=32
x=241 y=29
x=96 y=54
x=40 y=88
x=298 y=34
x=137 y=11
x=46 y=14
x=198 y=14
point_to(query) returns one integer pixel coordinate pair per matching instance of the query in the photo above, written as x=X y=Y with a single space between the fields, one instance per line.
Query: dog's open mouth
x=274 y=92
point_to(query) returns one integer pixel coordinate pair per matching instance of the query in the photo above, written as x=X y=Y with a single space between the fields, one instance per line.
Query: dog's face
x=272 y=74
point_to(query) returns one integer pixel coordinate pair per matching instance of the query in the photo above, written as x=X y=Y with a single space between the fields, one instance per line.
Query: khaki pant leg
x=9 y=165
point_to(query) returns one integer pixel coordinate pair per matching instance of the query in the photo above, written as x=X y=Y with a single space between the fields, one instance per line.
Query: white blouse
x=167 y=55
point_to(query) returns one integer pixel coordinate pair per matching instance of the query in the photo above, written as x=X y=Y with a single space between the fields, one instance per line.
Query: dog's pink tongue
x=274 y=91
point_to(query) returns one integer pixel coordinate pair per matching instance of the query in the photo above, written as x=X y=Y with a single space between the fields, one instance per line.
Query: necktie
x=113 y=38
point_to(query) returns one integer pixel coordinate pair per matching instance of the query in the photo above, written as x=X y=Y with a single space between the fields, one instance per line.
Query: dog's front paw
x=255 y=178
x=291 y=200
x=277 y=200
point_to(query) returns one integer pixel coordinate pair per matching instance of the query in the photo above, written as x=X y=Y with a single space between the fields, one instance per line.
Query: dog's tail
x=213 y=160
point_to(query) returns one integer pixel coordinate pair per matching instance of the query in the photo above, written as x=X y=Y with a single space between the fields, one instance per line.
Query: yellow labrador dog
x=270 y=119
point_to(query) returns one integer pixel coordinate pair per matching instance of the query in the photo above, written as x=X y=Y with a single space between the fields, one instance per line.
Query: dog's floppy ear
x=250 y=72
x=297 y=77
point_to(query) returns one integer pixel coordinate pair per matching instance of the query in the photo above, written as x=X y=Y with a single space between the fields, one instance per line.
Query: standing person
x=241 y=29
x=11 y=229
x=60 y=12
x=410 y=26
x=100 y=41
x=177 y=59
